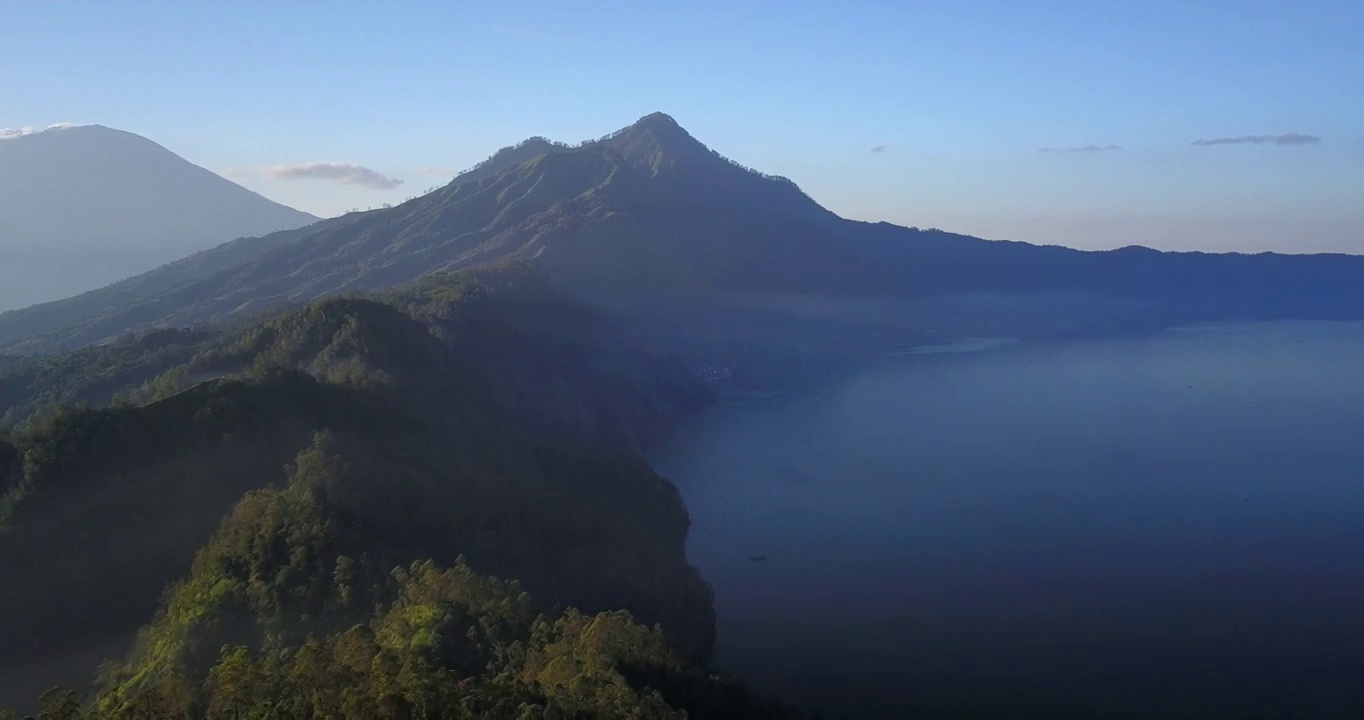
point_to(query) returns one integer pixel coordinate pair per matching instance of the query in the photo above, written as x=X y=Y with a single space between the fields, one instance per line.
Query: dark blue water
x=1169 y=525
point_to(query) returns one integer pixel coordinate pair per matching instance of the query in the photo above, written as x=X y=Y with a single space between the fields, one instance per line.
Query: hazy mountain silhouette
x=650 y=208
x=84 y=206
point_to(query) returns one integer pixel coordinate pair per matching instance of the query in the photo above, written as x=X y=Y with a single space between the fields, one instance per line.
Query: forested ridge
x=421 y=504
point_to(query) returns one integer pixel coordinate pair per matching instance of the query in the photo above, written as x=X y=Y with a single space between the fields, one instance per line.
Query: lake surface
x=1171 y=524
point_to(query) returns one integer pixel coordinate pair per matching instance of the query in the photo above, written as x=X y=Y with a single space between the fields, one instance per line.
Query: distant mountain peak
x=664 y=128
x=658 y=119
x=85 y=205
x=656 y=143
x=650 y=143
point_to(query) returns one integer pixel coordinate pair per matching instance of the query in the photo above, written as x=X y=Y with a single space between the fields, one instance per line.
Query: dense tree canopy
x=393 y=471
x=293 y=611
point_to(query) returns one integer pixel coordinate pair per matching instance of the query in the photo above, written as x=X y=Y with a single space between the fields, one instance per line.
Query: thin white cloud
x=337 y=172
x=11 y=133
x=1285 y=139
x=1082 y=149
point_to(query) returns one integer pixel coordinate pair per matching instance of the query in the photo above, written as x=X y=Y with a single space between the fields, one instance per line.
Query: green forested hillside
x=301 y=609
x=478 y=419
x=516 y=339
x=92 y=376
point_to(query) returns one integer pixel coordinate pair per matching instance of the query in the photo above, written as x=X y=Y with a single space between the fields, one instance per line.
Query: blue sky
x=959 y=96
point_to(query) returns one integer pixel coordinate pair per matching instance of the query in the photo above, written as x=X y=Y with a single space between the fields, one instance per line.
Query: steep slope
x=490 y=311
x=691 y=174
x=382 y=641
x=482 y=415
x=89 y=308
x=509 y=157
x=650 y=210
x=84 y=206
x=648 y=206
x=458 y=226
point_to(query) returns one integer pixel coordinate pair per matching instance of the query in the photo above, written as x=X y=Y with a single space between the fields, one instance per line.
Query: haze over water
x=1119 y=524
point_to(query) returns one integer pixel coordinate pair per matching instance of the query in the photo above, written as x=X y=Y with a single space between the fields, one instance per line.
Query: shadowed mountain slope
x=483 y=415
x=650 y=209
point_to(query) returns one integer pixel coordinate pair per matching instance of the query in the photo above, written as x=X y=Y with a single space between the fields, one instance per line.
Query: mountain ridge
x=481 y=416
x=649 y=208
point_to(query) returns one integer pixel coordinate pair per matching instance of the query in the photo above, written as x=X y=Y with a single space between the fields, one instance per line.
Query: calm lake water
x=1161 y=525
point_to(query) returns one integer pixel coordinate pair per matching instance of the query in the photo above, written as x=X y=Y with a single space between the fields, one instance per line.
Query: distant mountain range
x=650 y=209
x=84 y=206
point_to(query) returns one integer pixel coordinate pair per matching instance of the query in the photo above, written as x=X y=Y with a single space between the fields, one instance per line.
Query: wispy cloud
x=337 y=172
x=879 y=149
x=1285 y=139
x=10 y=133
x=1081 y=149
